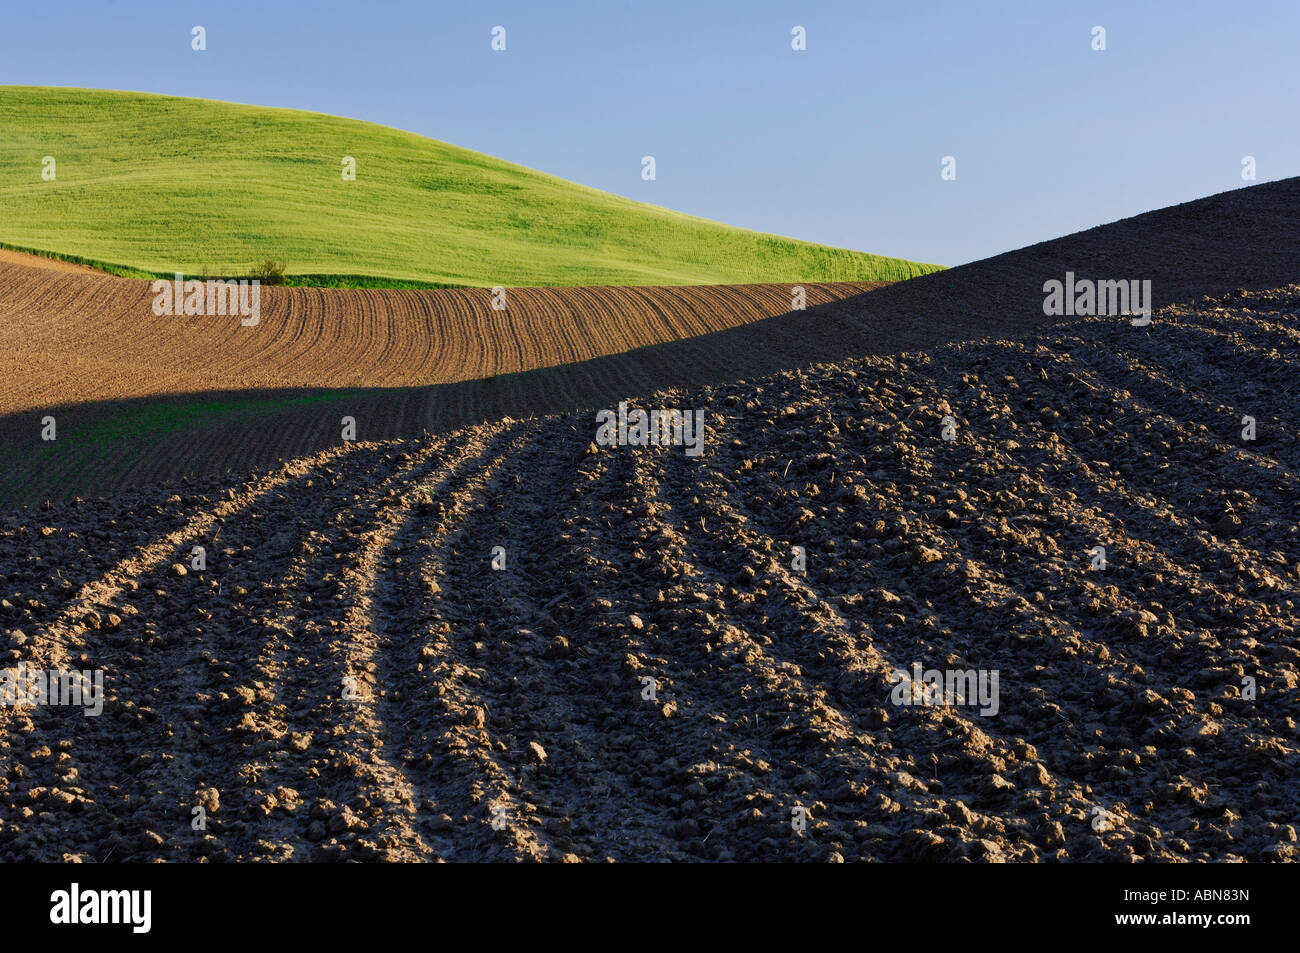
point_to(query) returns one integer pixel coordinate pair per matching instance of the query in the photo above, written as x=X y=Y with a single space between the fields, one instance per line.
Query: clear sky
x=840 y=143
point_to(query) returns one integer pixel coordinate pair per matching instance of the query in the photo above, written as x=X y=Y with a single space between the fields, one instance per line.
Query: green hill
x=157 y=184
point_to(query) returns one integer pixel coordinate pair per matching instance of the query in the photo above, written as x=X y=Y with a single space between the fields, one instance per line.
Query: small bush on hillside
x=270 y=272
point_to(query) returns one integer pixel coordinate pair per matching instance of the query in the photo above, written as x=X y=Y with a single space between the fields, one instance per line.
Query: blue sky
x=840 y=143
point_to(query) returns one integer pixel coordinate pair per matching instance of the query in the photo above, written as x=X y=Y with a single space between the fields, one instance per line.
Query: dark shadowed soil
x=349 y=678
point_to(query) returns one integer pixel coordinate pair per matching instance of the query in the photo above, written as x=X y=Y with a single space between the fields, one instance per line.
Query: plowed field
x=84 y=337
x=349 y=678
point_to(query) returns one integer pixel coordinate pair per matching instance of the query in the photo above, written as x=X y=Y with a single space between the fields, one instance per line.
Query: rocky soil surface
x=655 y=673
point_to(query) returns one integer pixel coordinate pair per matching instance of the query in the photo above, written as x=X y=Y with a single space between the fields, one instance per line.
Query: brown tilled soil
x=85 y=337
x=1126 y=728
x=24 y=260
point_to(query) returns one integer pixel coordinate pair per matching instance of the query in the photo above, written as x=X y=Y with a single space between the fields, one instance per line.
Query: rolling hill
x=154 y=184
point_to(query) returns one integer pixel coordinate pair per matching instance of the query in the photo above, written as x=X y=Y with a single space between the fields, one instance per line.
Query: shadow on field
x=1248 y=238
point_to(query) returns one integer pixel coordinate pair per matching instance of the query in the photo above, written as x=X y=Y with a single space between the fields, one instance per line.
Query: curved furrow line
x=598 y=316
x=1256 y=501
x=1165 y=539
x=376 y=624
x=441 y=724
x=165 y=670
x=1215 y=361
x=1032 y=547
x=474 y=349
x=1083 y=450
x=585 y=794
x=424 y=327
x=1037 y=714
x=266 y=662
x=68 y=630
x=326 y=677
x=1274 y=330
x=810 y=744
x=399 y=342
x=293 y=756
x=1154 y=390
x=699 y=310
x=941 y=749
x=287 y=326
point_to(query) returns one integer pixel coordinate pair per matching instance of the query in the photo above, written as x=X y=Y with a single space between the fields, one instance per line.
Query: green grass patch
x=299 y=281
x=109 y=447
